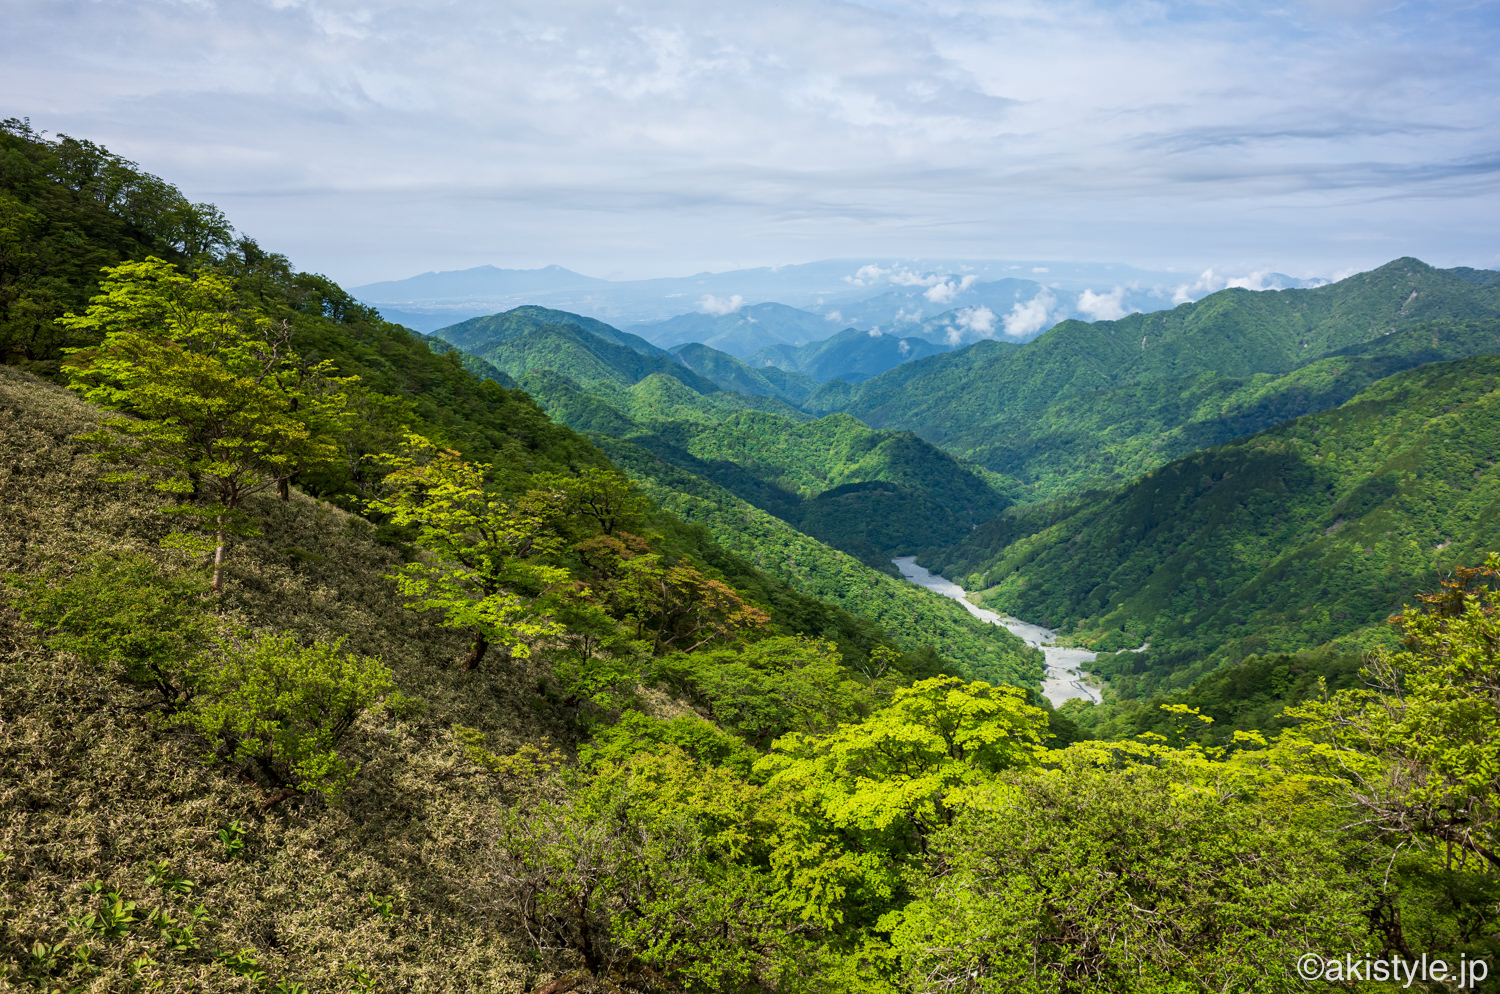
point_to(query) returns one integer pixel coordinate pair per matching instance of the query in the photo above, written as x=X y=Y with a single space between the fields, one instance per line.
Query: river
x=1063 y=679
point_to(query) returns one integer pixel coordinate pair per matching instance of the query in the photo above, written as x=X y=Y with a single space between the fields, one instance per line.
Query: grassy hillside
x=1307 y=534
x=96 y=788
x=1092 y=404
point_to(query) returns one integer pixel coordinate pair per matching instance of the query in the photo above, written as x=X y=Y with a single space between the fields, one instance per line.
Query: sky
x=380 y=139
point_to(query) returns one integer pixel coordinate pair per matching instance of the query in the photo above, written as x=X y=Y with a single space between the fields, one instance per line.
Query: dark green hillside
x=915 y=618
x=871 y=494
x=478 y=335
x=68 y=208
x=1056 y=397
x=1308 y=534
x=738 y=376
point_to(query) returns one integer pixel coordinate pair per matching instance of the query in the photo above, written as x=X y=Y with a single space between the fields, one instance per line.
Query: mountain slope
x=1003 y=404
x=851 y=355
x=735 y=375
x=1309 y=533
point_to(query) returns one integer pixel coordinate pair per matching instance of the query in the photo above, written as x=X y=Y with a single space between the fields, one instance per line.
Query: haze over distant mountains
x=949 y=301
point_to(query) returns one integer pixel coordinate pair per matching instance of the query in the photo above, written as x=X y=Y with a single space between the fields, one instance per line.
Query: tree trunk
x=284 y=487
x=218 y=583
x=481 y=646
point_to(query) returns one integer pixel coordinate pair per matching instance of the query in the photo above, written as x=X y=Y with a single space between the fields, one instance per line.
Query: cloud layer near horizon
x=379 y=138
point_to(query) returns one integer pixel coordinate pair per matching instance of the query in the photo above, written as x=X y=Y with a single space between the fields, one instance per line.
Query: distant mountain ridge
x=1030 y=410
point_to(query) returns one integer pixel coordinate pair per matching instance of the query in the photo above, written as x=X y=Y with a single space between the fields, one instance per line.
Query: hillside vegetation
x=1088 y=405
x=868 y=493
x=1305 y=535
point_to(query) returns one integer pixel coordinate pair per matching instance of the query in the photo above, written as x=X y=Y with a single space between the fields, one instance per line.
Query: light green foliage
x=485 y=552
x=770 y=687
x=1127 y=880
x=122 y=610
x=644 y=869
x=283 y=710
x=215 y=395
x=1433 y=722
x=881 y=787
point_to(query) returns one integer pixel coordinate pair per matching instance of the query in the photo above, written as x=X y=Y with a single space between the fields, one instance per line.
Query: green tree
x=487 y=556
x=1419 y=753
x=211 y=391
x=868 y=796
x=1084 y=878
x=122 y=610
x=283 y=710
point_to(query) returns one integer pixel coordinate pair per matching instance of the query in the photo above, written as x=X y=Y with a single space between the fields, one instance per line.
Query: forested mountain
x=1092 y=404
x=871 y=494
x=1309 y=534
x=851 y=355
x=738 y=376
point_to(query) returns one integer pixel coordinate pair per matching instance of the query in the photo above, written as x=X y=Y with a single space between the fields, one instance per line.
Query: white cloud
x=719 y=306
x=903 y=316
x=1030 y=317
x=657 y=137
x=907 y=277
x=944 y=292
x=834 y=316
x=1103 y=306
x=1210 y=282
x=1040 y=269
x=875 y=332
x=904 y=347
x=978 y=320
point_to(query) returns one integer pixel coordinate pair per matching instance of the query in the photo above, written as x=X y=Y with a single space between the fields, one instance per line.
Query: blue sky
x=379 y=139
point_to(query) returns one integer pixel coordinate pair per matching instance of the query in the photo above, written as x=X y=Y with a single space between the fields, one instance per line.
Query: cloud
x=944 y=292
x=875 y=332
x=1026 y=319
x=1103 y=306
x=656 y=137
x=718 y=306
x=903 y=316
x=978 y=320
x=834 y=316
x=867 y=275
x=904 y=347
x=1210 y=282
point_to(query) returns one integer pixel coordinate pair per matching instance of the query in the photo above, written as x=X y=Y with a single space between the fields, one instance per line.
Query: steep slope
x=1002 y=404
x=1307 y=534
x=730 y=373
x=914 y=617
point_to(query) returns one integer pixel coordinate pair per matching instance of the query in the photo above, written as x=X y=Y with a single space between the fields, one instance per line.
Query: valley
x=1063 y=678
